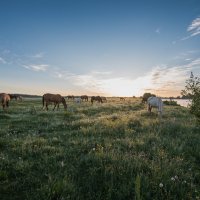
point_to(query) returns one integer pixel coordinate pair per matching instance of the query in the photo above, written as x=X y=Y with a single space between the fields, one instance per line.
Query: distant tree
x=146 y=96
x=192 y=89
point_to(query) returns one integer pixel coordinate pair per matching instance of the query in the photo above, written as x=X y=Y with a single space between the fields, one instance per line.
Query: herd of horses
x=57 y=99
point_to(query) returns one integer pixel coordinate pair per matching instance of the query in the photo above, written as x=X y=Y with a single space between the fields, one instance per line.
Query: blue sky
x=105 y=47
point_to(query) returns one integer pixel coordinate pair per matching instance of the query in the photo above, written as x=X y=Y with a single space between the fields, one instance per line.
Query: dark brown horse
x=96 y=98
x=122 y=99
x=104 y=99
x=84 y=97
x=15 y=96
x=5 y=98
x=70 y=97
x=53 y=98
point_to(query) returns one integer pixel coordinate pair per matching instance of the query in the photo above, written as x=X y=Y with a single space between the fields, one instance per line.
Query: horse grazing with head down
x=84 y=97
x=155 y=102
x=70 y=97
x=5 y=98
x=15 y=96
x=96 y=98
x=104 y=99
x=53 y=98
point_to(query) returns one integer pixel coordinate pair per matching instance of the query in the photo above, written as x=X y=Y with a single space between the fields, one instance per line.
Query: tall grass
x=114 y=150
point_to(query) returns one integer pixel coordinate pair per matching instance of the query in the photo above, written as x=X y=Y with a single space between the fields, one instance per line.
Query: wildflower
x=172 y=178
x=93 y=149
x=176 y=177
x=62 y=164
x=160 y=185
x=184 y=181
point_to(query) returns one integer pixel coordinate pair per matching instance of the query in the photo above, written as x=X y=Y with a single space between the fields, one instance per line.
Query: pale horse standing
x=155 y=102
x=77 y=100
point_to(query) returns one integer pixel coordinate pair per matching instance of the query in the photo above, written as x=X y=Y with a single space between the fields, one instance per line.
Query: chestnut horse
x=53 y=98
x=96 y=98
x=5 y=98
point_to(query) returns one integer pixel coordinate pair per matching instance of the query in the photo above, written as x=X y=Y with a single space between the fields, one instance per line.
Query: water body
x=182 y=102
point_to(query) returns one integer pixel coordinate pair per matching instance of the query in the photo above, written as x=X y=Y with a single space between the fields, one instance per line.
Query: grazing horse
x=53 y=98
x=70 y=97
x=104 y=99
x=96 y=98
x=155 y=102
x=122 y=99
x=84 y=97
x=15 y=96
x=5 y=98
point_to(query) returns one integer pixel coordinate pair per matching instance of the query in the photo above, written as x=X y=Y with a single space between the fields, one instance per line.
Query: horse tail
x=43 y=101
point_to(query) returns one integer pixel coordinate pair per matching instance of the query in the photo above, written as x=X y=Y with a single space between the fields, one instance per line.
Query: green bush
x=192 y=88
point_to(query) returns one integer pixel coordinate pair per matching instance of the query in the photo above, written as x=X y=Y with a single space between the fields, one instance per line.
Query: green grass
x=115 y=150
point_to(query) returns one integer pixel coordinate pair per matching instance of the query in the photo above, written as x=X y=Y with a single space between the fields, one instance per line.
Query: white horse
x=155 y=102
x=77 y=100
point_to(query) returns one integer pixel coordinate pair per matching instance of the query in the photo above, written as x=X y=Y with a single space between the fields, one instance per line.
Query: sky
x=98 y=47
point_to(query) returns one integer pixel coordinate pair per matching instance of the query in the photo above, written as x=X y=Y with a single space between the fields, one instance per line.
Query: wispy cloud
x=36 y=68
x=39 y=55
x=162 y=80
x=2 y=60
x=193 y=29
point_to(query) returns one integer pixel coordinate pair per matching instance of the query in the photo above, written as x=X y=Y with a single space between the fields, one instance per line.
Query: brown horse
x=96 y=98
x=70 y=97
x=122 y=99
x=104 y=99
x=84 y=97
x=5 y=98
x=53 y=98
x=15 y=96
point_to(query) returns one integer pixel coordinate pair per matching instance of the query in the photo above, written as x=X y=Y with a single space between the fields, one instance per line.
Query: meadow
x=115 y=150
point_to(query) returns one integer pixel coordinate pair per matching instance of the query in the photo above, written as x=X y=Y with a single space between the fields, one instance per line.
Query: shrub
x=192 y=88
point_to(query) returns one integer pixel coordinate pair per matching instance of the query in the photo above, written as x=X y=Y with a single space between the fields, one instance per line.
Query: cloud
x=36 y=68
x=161 y=80
x=2 y=61
x=193 y=29
x=38 y=55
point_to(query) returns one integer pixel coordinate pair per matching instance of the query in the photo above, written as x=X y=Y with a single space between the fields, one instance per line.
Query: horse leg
x=55 y=104
x=149 y=108
x=47 y=106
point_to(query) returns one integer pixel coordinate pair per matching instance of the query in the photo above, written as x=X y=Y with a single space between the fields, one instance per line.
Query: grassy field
x=116 y=150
